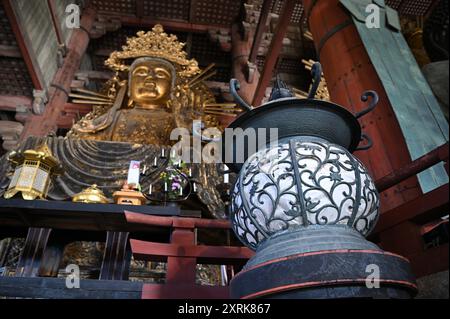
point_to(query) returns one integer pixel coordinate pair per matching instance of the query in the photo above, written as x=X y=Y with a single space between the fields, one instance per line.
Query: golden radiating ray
x=222 y=110
x=297 y=91
x=203 y=79
x=224 y=105
x=201 y=74
x=91 y=102
x=300 y=96
x=220 y=113
x=89 y=98
x=80 y=90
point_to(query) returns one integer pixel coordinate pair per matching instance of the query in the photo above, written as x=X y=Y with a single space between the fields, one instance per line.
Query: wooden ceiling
x=215 y=13
x=15 y=80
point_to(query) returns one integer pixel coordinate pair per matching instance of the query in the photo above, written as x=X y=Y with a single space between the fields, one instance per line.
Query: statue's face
x=151 y=83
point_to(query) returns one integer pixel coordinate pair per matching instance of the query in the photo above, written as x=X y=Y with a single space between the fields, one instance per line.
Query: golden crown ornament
x=155 y=43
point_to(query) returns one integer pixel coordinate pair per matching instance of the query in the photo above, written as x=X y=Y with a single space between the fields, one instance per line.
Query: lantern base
x=323 y=262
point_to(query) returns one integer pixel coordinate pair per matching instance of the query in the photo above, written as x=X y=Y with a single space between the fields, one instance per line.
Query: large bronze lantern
x=33 y=172
x=304 y=203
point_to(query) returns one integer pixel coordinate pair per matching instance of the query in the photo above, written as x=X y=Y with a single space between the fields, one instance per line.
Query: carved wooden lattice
x=416 y=8
x=14 y=77
x=277 y=6
x=113 y=40
x=222 y=12
x=290 y=65
x=119 y=6
x=394 y=3
x=6 y=34
x=167 y=9
x=411 y=7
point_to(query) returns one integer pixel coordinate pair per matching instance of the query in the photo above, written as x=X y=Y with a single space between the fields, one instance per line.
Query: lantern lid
x=92 y=195
x=41 y=153
x=295 y=118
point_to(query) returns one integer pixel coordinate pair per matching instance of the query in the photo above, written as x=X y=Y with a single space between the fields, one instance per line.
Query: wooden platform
x=78 y=216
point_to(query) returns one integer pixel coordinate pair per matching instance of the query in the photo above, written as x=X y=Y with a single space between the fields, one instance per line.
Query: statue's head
x=151 y=81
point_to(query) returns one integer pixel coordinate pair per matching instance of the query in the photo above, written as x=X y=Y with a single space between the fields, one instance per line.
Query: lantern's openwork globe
x=299 y=184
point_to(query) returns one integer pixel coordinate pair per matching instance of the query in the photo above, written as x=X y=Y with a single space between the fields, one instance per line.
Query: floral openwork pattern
x=299 y=184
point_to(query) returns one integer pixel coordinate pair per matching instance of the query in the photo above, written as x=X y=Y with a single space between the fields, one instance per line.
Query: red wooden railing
x=182 y=255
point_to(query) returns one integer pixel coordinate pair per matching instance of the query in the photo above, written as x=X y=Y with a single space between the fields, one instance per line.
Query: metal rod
x=222 y=110
x=260 y=29
x=225 y=105
x=219 y=113
x=80 y=90
x=206 y=77
x=91 y=102
x=209 y=67
x=274 y=50
x=436 y=156
x=92 y=98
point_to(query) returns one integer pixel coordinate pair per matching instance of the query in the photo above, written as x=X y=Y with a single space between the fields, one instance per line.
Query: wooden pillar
x=274 y=50
x=33 y=251
x=260 y=30
x=182 y=270
x=56 y=22
x=47 y=123
x=349 y=72
x=117 y=257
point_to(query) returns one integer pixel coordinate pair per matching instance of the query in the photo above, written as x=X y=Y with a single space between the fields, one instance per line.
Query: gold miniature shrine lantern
x=91 y=195
x=33 y=171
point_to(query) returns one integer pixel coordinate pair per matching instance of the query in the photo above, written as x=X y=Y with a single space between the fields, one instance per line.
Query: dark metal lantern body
x=282 y=192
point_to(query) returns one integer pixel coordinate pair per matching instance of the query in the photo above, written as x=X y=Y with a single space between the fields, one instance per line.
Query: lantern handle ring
x=316 y=72
x=368 y=145
x=372 y=104
x=234 y=87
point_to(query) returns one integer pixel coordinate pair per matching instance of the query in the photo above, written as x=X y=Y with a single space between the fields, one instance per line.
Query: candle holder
x=305 y=203
x=175 y=184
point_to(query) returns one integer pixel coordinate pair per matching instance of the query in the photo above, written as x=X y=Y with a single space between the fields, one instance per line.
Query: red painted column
x=46 y=123
x=349 y=72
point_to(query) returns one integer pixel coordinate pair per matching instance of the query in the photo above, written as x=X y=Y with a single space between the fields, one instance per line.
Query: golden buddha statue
x=155 y=89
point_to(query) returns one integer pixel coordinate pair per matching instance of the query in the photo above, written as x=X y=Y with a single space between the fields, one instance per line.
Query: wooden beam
x=214 y=255
x=415 y=167
x=76 y=216
x=56 y=288
x=183 y=26
x=10 y=103
x=260 y=29
x=55 y=20
x=10 y=51
x=24 y=46
x=427 y=207
x=274 y=50
x=141 y=219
